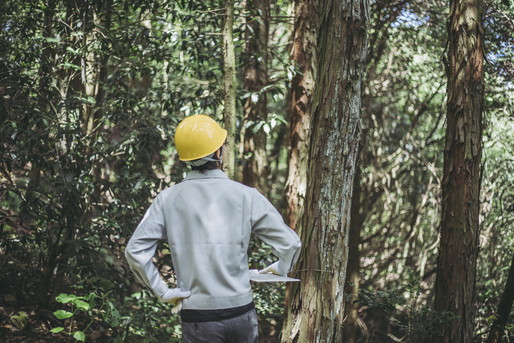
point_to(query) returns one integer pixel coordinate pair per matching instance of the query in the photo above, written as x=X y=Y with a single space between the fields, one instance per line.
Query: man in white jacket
x=207 y=220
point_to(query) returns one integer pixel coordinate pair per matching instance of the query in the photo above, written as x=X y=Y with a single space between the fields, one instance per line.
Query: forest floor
x=33 y=327
x=29 y=325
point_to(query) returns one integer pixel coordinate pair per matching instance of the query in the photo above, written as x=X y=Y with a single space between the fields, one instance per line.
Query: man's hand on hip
x=175 y=294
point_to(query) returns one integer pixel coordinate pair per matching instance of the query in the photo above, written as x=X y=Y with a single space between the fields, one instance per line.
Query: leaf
x=90 y=100
x=73 y=51
x=82 y=305
x=79 y=336
x=69 y=65
x=62 y=314
x=57 y=329
x=65 y=298
x=52 y=40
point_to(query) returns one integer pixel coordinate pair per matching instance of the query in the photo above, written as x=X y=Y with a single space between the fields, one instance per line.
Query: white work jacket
x=207 y=219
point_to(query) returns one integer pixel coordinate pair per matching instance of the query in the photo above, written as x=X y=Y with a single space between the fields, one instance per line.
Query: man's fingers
x=263 y=271
x=184 y=294
x=175 y=294
x=177 y=307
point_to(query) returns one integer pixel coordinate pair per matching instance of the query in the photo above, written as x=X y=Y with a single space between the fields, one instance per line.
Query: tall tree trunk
x=304 y=56
x=456 y=266
x=229 y=84
x=504 y=308
x=102 y=27
x=255 y=167
x=44 y=99
x=96 y=76
x=316 y=309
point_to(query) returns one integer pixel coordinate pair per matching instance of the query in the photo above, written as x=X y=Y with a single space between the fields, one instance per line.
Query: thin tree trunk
x=504 y=308
x=96 y=69
x=255 y=167
x=304 y=56
x=229 y=84
x=44 y=99
x=456 y=267
x=316 y=309
x=35 y=172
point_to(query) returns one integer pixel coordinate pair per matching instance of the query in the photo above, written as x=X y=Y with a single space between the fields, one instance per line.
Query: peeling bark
x=353 y=270
x=316 y=310
x=456 y=267
x=304 y=56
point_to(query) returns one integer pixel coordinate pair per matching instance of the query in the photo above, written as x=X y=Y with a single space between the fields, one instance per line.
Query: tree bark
x=229 y=84
x=504 y=308
x=456 y=267
x=353 y=270
x=304 y=56
x=316 y=309
x=256 y=168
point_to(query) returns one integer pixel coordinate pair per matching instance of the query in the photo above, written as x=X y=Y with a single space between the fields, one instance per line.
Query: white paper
x=269 y=277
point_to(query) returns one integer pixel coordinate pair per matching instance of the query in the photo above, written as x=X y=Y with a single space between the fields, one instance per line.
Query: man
x=207 y=219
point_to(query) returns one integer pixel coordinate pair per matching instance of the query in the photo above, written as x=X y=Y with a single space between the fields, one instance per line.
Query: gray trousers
x=241 y=329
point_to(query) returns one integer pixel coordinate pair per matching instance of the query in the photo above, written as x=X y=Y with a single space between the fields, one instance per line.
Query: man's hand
x=275 y=268
x=173 y=295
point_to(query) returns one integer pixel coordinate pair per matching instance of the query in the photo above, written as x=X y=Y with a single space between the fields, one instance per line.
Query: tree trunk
x=456 y=266
x=504 y=308
x=316 y=309
x=229 y=84
x=255 y=167
x=304 y=56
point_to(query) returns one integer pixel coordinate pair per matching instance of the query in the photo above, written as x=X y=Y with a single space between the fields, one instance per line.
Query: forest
x=382 y=130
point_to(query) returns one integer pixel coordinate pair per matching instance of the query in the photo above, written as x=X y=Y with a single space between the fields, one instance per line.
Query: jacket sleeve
x=141 y=249
x=268 y=225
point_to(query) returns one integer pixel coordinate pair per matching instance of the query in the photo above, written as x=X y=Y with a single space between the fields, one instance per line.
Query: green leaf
x=90 y=100
x=82 y=305
x=62 y=314
x=65 y=298
x=69 y=65
x=79 y=336
x=57 y=329
x=73 y=51
x=52 y=40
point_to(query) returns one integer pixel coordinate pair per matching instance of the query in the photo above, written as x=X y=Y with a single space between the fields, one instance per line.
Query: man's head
x=198 y=140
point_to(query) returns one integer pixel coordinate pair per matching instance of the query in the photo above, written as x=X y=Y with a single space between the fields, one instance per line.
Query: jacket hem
x=212 y=303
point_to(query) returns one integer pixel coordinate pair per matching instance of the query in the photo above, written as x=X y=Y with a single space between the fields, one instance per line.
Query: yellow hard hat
x=198 y=136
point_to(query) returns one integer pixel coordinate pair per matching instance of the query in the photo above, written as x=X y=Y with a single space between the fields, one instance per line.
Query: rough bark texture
x=256 y=167
x=456 y=267
x=304 y=56
x=504 y=308
x=353 y=270
x=229 y=83
x=316 y=310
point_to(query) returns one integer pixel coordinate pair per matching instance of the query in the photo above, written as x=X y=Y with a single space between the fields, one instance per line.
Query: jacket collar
x=208 y=174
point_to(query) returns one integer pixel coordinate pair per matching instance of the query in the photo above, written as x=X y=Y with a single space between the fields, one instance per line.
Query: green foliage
x=140 y=317
x=151 y=320
x=407 y=318
x=75 y=304
x=90 y=95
